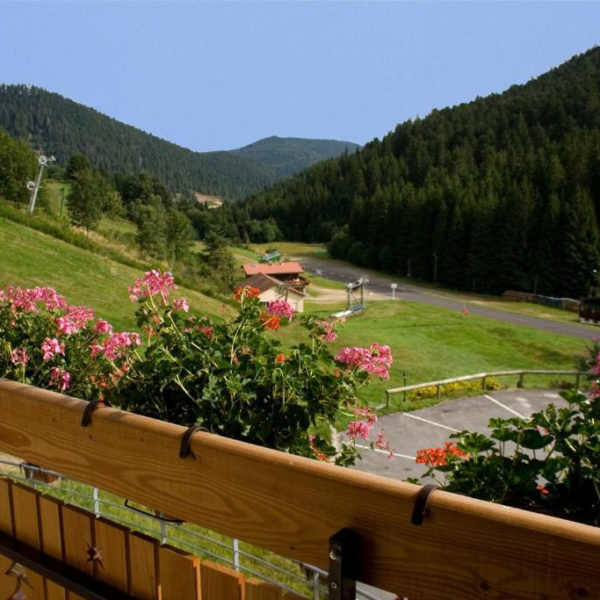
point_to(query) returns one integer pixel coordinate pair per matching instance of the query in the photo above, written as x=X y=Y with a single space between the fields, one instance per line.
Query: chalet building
x=289 y=273
x=281 y=281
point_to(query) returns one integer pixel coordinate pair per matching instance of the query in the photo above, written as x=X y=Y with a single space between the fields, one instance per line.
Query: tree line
x=502 y=192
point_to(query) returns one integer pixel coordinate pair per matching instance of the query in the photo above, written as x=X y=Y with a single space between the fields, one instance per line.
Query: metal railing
x=206 y=543
x=483 y=376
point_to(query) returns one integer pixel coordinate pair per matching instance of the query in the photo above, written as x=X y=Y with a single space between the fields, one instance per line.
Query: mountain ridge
x=62 y=127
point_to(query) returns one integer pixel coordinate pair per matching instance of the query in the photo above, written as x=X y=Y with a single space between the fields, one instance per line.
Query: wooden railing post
x=521 y=378
x=483 y=383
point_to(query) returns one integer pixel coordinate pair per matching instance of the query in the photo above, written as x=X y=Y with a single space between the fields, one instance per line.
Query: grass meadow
x=30 y=258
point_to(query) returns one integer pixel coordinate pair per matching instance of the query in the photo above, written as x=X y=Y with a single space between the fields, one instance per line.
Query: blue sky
x=219 y=75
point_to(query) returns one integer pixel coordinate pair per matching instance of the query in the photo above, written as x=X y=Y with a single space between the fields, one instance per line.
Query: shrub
x=548 y=463
x=456 y=387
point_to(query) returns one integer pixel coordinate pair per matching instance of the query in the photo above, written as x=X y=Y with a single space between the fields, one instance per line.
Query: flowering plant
x=48 y=343
x=233 y=377
x=549 y=462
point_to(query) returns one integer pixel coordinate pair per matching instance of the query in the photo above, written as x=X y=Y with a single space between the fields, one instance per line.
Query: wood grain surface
x=465 y=548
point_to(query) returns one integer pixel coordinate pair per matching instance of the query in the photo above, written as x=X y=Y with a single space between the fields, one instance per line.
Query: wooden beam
x=466 y=548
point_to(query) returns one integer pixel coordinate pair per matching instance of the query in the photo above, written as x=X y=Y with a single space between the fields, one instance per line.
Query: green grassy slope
x=29 y=258
x=430 y=343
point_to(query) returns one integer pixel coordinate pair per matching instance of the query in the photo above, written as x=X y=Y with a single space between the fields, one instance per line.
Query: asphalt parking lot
x=432 y=426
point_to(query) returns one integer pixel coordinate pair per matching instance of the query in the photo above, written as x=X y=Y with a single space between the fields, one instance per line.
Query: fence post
x=521 y=378
x=439 y=391
x=577 y=378
x=236 y=554
x=96 y=501
x=316 y=586
x=163 y=532
x=387 y=399
x=483 y=383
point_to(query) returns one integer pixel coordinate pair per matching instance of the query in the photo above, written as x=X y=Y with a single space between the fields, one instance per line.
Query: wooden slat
x=259 y=590
x=219 y=582
x=77 y=533
x=179 y=575
x=51 y=537
x=78 y=537
x=27 y=530
x=111 y=539
x=7 y=583
x=466 y=548
x=143 y=553
x=6 y=522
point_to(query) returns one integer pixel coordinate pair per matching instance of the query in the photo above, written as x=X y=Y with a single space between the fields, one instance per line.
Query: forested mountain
x=287 y=156
x=502 y=192
x=63 y=128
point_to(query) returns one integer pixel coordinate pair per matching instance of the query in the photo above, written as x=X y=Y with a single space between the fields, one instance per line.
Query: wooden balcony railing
x=465 y=548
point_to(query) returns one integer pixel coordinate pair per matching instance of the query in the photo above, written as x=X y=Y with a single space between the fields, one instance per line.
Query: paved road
x=381 y=284
x=435 y=424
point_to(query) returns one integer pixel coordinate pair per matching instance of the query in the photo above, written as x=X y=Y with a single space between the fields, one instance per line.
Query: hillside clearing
x=29 y=258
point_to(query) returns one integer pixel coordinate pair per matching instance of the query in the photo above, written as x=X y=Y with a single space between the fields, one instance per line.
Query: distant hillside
x=62 y=127
x=502 y=192
x=287 y=156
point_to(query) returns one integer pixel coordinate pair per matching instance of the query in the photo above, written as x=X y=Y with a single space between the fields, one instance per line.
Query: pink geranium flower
x=329 y=334
x=51 y=347
x=358 y=429
x=280 y=308
x=103 y=326
x=19 y=356
x=180 y=304
x=152 y=283
x=375 y=360
x=60 y=378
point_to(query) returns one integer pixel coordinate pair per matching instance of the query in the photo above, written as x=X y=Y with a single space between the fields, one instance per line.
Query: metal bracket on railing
x=92 y=405
x=420 y=507
x=186 y=438
x=343 y=565
x=158 y=515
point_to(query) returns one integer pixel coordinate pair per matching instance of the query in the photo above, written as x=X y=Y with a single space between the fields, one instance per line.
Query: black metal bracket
x=73 y=580
x=420 y=507
x=157 y=516
x=92 y=405
x=344 y=563
x=186 y=438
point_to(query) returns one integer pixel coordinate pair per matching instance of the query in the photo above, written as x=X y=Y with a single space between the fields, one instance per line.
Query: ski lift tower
x=356 y=294
x=34 y=186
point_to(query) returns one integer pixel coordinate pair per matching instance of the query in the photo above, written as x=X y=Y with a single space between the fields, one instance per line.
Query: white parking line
x=508 y=408
x=386 y=452
x=428 y=421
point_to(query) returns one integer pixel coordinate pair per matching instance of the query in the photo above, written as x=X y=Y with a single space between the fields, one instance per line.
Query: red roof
x=284 y=268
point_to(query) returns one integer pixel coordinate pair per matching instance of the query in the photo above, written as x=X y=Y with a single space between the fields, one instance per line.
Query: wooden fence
x=465 y=548
x=114 y=559
x=483 y=376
